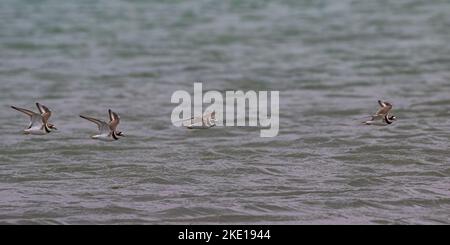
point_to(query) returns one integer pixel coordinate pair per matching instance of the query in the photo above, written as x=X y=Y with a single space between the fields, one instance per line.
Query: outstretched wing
x=114 y=120
x=103 y=127
x=28 y=112
x=36 y=119
x=383 y=111
x=45 y=112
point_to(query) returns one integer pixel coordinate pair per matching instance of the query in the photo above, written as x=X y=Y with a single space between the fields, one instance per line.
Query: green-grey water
x=330 y=60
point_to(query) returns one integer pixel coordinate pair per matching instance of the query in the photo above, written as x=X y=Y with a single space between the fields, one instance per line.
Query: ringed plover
x=39 y=124
x=108 y=131
x=382 y=117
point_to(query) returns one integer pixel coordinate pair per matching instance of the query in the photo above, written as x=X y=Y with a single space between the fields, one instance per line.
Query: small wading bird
x=39 y=124
x=382 y=116
x=207 y=120
x=108 y=131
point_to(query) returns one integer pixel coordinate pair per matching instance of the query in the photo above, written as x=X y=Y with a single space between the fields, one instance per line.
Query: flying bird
x=108 y=131
x=39 y=124
x=382 y=117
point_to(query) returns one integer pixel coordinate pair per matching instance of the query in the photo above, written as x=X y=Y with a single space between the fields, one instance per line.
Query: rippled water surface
x=330 y=60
